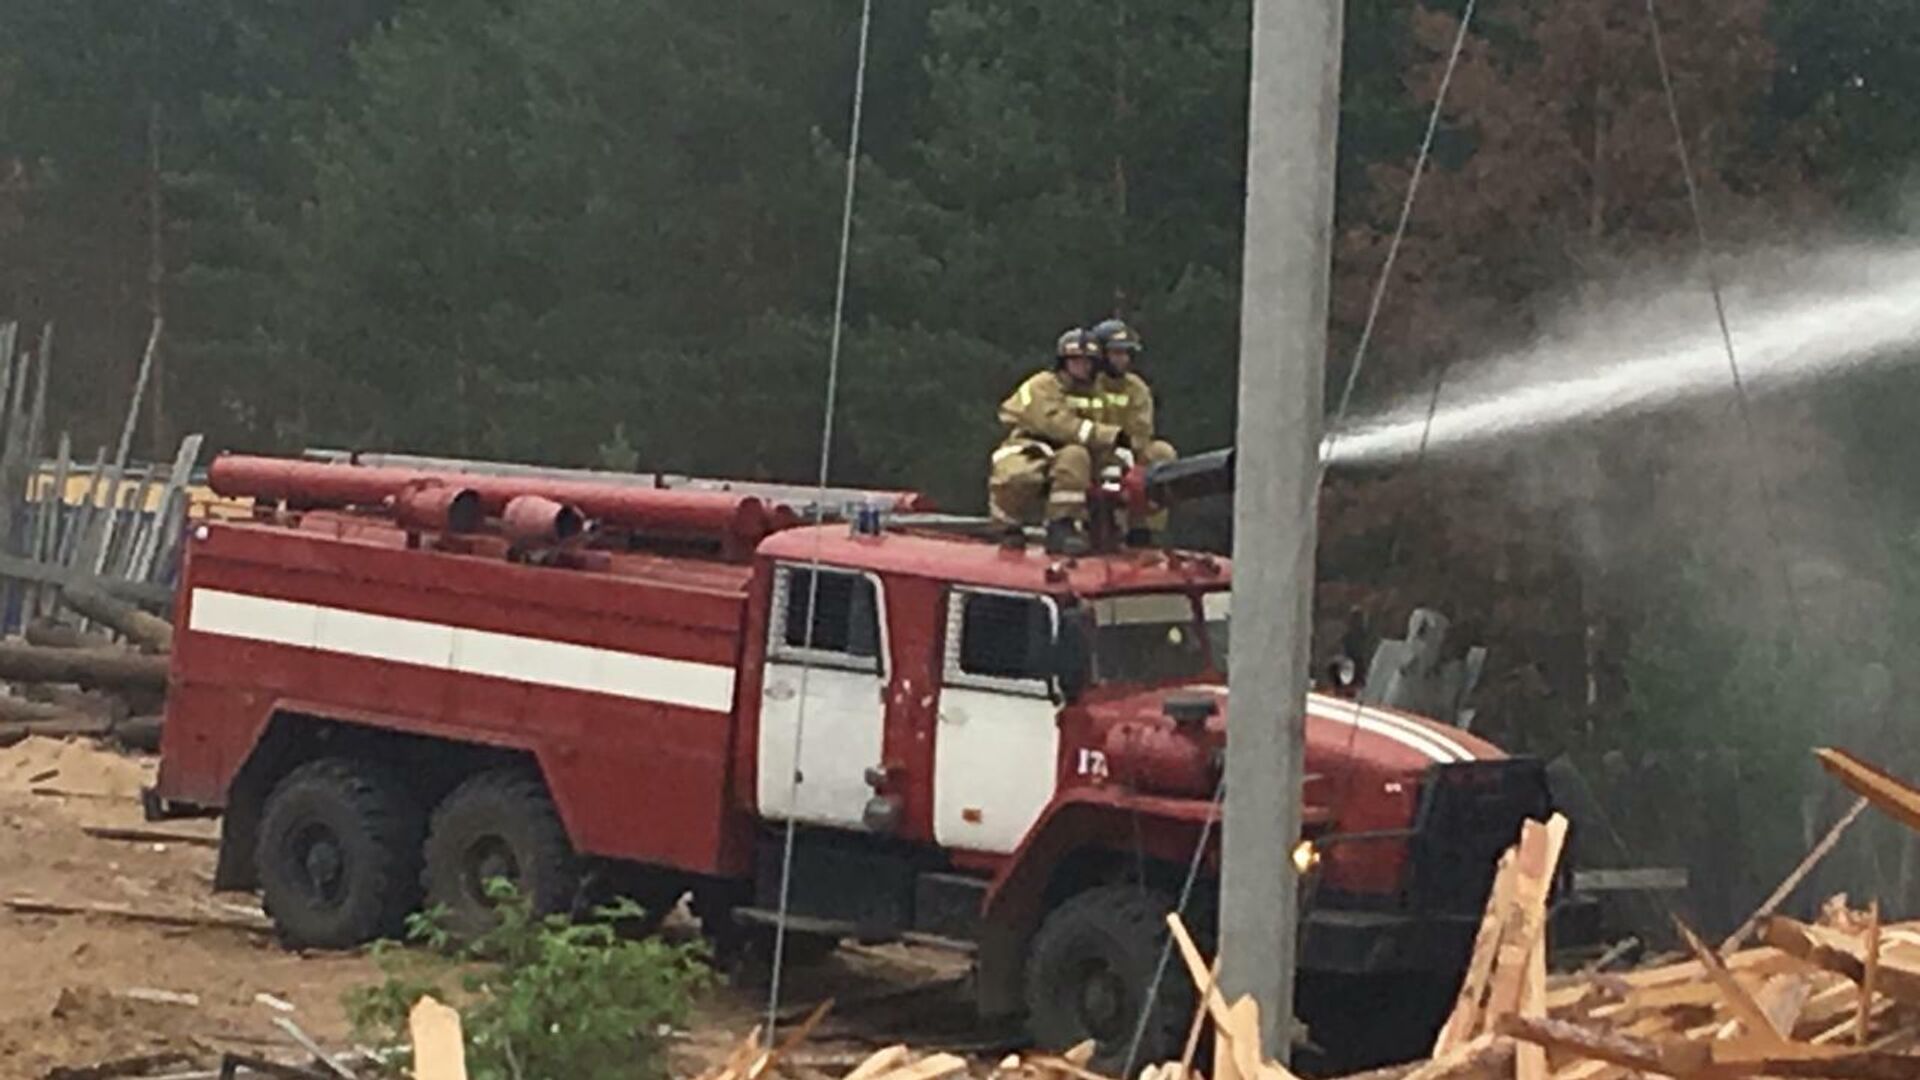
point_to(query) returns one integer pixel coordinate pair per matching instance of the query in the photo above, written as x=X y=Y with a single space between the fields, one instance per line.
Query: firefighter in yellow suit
x=1055 y=437
x=1126 y=401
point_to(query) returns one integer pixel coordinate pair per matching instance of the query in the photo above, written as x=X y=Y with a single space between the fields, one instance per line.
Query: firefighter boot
x=1065 y=537
x=1013 y=536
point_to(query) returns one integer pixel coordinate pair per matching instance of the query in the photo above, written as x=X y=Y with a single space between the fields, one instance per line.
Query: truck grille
x=1470 y=812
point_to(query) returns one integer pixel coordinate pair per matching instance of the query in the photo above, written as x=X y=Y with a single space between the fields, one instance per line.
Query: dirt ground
x=77 y=990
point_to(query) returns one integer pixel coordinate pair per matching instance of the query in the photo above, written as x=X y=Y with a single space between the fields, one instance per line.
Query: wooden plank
x=1525 y=926
x=1782 y=1000
x=1056 y=1067
x=37 y=419
x=171 y=525
x=1486 y=1057
x=1871 y=976
x=1737 y=1058
x=9 y=336
x=1239 y=1040
x=771 y=1060
x=53 y=506
x=72 y=546
x=139 y=392
x=1828 y=1063
x=120 y=1067
x=1192 y=1048
x=28 y=905
x=46 y=572
x=111 y=552
x=1739 y=1002
x=934 y=1067
x=1531 y=1061
x=439 y=1051
x=133 y=517
x=737 y=1063
x=9 y=340
x=150 y=836
x=1651 y=1025
x=1632 y=879
x=1468 y=1005
x=1210 y=996
x=1238 y=1054
x=1664 y=1058
x=1835 y=1000
x=13 y=471
x=879 y=1062
x=1614 y=952
x=1659 y=997
x=1590 y=1069
x=1890 y=795
x=1845 y=954
x=1846 y=1027
x=1792 y=881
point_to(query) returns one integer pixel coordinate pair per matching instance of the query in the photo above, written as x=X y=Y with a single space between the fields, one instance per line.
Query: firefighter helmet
x=1072 y=343
x=1114 y=334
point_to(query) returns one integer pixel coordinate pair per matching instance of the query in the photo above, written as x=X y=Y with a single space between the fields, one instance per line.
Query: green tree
x=520 y=235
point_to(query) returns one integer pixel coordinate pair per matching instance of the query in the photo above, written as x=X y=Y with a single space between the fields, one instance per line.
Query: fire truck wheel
x=498 y=825
x=1088 y=972
x=338 y=854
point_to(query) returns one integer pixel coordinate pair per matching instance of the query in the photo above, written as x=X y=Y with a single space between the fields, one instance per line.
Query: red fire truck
x=397 y=683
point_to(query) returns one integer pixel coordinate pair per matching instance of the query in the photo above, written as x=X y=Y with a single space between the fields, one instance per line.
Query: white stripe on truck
x=1416 y=737
x=444 y=647
x=1412 y=736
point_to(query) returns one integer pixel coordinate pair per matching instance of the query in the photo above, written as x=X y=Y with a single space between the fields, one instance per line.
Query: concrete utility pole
x=1292 y=124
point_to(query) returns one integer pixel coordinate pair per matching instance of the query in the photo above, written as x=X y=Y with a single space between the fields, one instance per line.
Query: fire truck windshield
x=1157 y=637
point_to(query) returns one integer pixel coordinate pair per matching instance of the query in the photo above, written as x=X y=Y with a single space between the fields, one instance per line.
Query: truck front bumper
x=1355 y=942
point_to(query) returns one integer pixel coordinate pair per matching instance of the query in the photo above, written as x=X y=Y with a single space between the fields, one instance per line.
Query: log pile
x=88 y=689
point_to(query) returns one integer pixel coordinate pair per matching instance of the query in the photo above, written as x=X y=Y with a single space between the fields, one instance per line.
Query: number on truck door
x=995 y=754
x=833 y=630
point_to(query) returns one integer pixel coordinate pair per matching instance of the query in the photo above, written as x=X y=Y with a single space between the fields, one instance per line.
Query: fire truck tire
x=1088 y=971
x=498 y=824
x=338 y=854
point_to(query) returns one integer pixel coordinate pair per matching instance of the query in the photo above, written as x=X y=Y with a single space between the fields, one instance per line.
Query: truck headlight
x=1305 y=856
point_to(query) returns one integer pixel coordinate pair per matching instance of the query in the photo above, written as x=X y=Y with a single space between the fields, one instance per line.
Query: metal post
x=1292 y=123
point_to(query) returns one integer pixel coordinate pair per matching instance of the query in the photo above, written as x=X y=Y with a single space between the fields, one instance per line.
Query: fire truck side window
x=840 y=614
x=1003 y=636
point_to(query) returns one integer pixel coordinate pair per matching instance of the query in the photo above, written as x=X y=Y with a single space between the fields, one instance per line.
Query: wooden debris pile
x=1836 y=998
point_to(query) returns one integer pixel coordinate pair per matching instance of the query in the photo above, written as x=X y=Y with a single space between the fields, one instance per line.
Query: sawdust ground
x=63 y=978
x=71 y=765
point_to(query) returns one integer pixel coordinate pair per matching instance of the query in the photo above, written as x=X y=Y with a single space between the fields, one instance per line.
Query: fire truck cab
x=397 y=685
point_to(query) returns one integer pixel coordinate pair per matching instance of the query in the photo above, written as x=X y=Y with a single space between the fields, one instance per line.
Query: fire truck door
x=998 y=741
x=828 y=636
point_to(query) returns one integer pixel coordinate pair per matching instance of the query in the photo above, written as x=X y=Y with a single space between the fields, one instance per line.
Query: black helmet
x=1114 y=334
x=1074 y=342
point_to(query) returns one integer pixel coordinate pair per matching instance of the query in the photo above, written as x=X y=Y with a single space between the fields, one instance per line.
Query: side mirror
x=1072 y=654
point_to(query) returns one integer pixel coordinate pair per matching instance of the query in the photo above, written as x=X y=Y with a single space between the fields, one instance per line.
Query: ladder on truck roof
x=802 y=500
